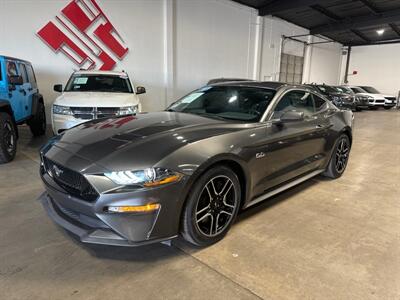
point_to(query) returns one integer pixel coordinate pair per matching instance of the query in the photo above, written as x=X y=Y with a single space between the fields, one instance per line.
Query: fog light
x=133 y=209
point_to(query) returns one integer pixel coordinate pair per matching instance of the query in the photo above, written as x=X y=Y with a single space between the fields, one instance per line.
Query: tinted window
x=22 y=70
x=31 y=76
x=357 y=90
x=320 y=104
x=295 y=101
x=326 y=89
x=344 y=90
x=11 y=69
x=99 y=83
x=229 y=102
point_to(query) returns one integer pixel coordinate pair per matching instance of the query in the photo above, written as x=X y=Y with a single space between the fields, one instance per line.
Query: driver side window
x=300 y=101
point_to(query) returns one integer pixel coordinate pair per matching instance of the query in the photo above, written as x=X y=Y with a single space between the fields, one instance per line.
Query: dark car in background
x=187 y=171
x=361 y=101
x=222 y=79
x=340 y=99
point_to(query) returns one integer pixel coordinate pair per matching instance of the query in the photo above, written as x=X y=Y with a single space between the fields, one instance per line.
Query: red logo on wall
x=85 y=35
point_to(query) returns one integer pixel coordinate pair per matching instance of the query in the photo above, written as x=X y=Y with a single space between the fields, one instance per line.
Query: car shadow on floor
x=159 y=252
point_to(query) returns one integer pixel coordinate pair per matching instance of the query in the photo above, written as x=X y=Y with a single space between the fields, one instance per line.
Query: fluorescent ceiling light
x=380 y=31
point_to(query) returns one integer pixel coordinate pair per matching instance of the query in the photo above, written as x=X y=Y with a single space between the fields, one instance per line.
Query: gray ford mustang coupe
x=187 y=171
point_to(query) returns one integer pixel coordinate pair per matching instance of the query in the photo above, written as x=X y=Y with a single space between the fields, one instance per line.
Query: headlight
x=150 y=177
x=62 y=110
x=128 y=110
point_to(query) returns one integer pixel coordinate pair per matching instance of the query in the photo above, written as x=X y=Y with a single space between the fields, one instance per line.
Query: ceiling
x=350 y=22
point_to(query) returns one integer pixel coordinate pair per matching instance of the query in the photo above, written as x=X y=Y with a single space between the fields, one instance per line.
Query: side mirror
x=292 y=116
x=15 y=80
x=140 y=90
x=58 y=88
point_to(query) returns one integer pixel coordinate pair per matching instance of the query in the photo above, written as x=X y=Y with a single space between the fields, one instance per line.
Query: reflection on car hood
x=96 y=99
x=142 y=140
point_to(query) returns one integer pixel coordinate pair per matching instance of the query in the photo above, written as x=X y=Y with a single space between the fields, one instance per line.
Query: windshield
x=344 y=90
x=325 y=89
x=370 y=89
x=227 y=102
x=99 y=83
x=357 y=90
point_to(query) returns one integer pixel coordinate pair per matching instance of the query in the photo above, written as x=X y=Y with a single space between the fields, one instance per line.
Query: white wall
x=175 y=46
x=321 y=61
x=325 y=63
x=377 y=66
x=273 y=30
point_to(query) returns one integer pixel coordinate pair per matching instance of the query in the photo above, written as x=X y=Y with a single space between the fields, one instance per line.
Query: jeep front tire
x=38 y=122
x=8 y=138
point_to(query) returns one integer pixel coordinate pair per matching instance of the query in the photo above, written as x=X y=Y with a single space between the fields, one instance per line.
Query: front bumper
x=92 y=224
x=390 y=103
x=64 y=122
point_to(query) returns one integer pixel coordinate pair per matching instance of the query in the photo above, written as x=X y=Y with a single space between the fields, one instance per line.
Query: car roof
x=98 y=72
x=14 y=58
x=274 y=85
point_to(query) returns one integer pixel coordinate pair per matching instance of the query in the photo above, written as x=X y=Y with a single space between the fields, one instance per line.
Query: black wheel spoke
x=342 y=153
x=216 y=206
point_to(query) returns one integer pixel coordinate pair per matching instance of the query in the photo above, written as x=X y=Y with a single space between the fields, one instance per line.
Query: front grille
x=72 y=182
x=379 y=101
x=390 y=98
x=90 y=113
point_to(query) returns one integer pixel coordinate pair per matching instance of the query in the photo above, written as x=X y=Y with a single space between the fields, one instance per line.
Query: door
x=3 y=87
x=16 y=97
x=293 y=148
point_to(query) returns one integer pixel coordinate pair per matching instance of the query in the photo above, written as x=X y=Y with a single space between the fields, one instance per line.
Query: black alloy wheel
x=211 y=207
x=340 y=157
x=216 y=206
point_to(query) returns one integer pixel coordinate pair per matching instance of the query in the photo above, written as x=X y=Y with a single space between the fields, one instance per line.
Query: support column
x=169 y=50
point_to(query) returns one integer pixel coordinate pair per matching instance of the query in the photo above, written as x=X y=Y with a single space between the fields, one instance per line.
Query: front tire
x=340 y=156
x=38 y=123
x=8 y=138
x=212 y=206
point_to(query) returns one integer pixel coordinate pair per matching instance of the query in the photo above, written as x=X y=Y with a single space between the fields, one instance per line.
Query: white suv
x=91 y=95
x=375 y=99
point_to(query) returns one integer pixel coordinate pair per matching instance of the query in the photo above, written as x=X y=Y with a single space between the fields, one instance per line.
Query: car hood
x=135 y=141
x=96 y=99
x=375 y=96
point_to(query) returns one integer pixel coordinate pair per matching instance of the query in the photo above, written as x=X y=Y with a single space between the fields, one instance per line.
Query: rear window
x=31 y=76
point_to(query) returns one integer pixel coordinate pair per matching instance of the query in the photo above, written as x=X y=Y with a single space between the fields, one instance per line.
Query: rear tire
x=340 y=156
x=212 y=207
x=8 y=138
x=38 y=123
x=358 y=109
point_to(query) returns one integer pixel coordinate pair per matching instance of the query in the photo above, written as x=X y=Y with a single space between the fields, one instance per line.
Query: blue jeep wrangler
x=20 y=102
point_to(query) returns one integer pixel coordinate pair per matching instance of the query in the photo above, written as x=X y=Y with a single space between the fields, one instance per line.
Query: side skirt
x=283 y=188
